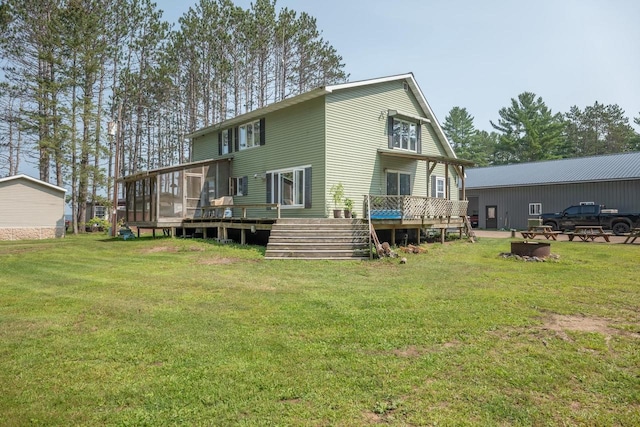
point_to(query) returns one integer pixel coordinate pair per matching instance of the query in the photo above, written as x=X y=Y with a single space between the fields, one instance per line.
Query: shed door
x=492 y=217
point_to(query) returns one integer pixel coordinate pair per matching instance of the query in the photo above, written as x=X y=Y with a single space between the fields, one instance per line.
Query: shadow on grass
x=213 y=242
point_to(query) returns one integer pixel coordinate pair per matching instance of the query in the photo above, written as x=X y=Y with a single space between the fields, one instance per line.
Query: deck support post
x=243 y=236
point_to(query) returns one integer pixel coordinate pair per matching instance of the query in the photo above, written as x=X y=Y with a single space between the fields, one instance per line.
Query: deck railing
x=414 y=207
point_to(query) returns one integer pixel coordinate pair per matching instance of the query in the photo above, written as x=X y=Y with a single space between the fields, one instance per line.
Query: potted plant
x=348 y=207
x=337 y=193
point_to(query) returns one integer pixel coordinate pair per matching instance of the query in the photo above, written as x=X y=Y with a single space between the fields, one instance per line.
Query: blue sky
x=480 y=54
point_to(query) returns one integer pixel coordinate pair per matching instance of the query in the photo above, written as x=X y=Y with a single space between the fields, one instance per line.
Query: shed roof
x=612 y=167
x=34 y=180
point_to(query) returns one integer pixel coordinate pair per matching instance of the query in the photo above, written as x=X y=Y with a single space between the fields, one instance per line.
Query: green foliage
x=98 y=223
x=72 y=66
x=348 y=204
x=459 y=128
x=529 y=131
x=337 y=194
x=596 y=130
x=468 y=142
x=190 y=332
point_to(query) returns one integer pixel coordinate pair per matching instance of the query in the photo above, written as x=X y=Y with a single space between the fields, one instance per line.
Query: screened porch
x=169 y=195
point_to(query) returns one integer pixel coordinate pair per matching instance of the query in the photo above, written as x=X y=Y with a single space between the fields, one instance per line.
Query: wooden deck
x=386 y=213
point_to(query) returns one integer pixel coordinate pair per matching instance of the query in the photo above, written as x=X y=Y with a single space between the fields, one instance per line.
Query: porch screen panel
x=130 y=190
x=170 y=193
x=194 y=188
x=139 y=200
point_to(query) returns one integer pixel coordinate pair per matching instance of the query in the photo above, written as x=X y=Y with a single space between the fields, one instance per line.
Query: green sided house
x=378 y=138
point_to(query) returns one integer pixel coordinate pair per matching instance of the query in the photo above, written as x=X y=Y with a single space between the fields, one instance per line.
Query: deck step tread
x=316 y=239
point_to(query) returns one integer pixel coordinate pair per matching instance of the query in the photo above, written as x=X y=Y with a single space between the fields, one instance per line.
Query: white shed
x=30 y=209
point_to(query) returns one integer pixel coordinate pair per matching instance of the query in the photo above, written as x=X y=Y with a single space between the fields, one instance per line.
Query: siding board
x=513 y=202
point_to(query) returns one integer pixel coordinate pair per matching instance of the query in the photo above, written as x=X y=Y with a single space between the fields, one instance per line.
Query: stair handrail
x=372 y=231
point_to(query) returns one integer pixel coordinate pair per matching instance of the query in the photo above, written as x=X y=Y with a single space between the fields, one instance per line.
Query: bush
x=97 y=224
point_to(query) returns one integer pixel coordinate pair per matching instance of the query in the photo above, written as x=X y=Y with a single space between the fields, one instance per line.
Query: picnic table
x=540 y=230
x=589 y=233
x=632 y=236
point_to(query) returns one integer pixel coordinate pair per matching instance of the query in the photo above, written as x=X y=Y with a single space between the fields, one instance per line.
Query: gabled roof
x=34 y=180
x=612 y=167
x=324 y=90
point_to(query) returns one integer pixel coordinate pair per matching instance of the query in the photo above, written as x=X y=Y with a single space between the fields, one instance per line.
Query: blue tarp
x=386 y=214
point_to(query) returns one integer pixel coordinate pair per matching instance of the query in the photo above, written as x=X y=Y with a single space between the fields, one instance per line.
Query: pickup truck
x=592 y=214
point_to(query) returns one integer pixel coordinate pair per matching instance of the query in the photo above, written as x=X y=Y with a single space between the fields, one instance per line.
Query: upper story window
x=405 y=135
x=249 y=135
x=241 y=137
x=225 y=142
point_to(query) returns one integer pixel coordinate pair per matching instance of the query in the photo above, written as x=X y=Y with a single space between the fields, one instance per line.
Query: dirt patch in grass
x=160 y=249
x=218 y=261
x=157 y=249
x=563 y=323
x=372 y=418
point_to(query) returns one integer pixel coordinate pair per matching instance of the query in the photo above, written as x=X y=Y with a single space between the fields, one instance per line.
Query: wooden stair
x=318 y=238
x=468 y=230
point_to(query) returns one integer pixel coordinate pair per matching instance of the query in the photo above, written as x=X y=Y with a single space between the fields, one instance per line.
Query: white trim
x=34 y=180
x=287 y=169
x=399 y=172
x=444 y=187
x=539 y=206
x=359 y=83
x=275 y=198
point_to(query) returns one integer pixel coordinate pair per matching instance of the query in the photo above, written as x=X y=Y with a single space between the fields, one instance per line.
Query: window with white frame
x=249 y=135
x=405 y=135
x=535 y=209
x=225 y=142
x=287 y=187
x=440 y=190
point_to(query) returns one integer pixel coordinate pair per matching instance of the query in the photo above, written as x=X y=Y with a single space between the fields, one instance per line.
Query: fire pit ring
x=531 y=249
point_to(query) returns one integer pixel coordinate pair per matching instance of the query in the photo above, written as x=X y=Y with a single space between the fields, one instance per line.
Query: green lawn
x=96 y=331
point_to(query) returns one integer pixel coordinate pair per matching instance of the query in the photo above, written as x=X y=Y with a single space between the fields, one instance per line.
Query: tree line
x=528 y=131
x=69 y=67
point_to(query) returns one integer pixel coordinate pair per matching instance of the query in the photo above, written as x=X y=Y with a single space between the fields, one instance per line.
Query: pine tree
x=529 y=131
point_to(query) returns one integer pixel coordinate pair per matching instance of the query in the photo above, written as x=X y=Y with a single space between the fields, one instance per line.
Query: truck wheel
x=620 y=228
x=552 y=224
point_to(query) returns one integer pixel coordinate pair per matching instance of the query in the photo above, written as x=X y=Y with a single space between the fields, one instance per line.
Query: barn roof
x=612 y=167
